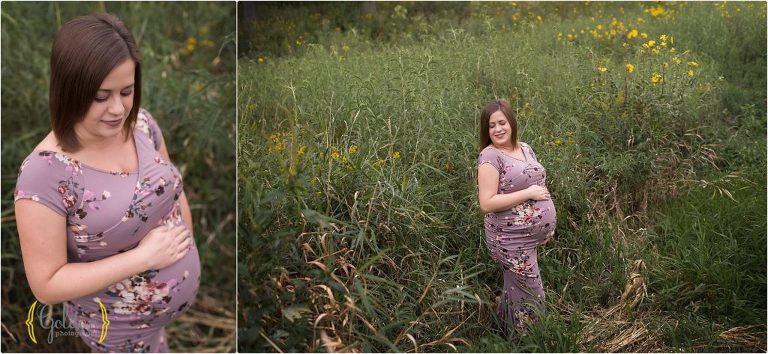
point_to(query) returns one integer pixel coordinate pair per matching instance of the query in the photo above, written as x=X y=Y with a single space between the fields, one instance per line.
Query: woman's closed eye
x=104 y=98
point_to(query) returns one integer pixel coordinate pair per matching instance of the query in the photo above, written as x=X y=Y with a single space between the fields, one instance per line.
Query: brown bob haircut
x=485 y=116
x=85 y=51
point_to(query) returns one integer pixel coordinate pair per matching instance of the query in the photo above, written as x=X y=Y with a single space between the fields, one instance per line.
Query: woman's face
x=109 y=109
x=499 y=129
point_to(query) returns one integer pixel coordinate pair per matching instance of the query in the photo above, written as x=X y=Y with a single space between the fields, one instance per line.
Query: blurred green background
x=188 y=51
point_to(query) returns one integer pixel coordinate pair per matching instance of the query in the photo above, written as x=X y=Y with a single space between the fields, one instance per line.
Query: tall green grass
x=188 y=52
x=359 y=227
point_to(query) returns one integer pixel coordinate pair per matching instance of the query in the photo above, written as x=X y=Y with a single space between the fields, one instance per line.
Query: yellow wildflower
x=602 y=69
x=655 y=50
x=672 y=50
x=656 y=78
x=277 y=142
x=353 y=149
x=651 y=43
x=538 y=18
x=630 y=68
x=663 y=37
x=557 y=142
x=299 y=41
x=644 y=35
x=302 y=150
x=656 y=11
x=665 y=65
x=676 y=60
x=378 y=163
x=191 y=43
x=690 y=72
x=693 y=64
x=261 y=60
x=396 y=155
x=335 y=154
x=197 y=87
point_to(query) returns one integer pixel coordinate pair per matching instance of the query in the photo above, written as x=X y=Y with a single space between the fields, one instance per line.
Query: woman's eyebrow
x=129 y=86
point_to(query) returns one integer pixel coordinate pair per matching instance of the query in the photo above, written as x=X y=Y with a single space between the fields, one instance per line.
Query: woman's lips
x=113 y=123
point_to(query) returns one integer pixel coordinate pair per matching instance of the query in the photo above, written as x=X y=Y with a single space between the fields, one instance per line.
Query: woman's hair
x=485 y=116
x=85 y=51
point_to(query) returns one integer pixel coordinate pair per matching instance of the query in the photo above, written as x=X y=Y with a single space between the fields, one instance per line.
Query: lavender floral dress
x=512 y=235
x=108 y=213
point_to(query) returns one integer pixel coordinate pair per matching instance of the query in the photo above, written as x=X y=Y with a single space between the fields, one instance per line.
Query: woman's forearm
x=501 y=202
x=74 y=280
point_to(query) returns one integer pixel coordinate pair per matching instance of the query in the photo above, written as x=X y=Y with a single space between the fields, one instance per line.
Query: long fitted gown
x=512 y=235
x=107 y=213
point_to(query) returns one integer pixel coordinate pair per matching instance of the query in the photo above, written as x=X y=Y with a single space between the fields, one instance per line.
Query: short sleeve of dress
x=490 y=156
x=148 y=125
x=48 y=178
x=530 y=150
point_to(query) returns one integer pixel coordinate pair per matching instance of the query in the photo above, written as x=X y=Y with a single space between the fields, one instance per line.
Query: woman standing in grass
x=519 y=214
x=102 y=217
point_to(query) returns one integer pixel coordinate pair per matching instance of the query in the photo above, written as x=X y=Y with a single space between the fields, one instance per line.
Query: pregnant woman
x=102 y=217
x=519 y=214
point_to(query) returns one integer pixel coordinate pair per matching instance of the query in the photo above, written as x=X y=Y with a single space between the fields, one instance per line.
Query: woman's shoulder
x=524 y=145
x=148 y=127
x=489 y=150
x=48 y=154
x=144 y=121
x=51 y=163
x=490 y=155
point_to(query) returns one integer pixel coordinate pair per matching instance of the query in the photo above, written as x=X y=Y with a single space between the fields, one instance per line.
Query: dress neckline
x=510 y=155
x=93 y=168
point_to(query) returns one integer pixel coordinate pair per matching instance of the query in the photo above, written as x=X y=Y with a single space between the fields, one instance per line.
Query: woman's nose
x=116 y=105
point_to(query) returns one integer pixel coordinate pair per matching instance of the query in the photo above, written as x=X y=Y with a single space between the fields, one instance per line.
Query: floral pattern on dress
x=21 y=195
x=140 y=295
x=520 y=265
x=71 y=164
x=526 y=214
x=137 y=207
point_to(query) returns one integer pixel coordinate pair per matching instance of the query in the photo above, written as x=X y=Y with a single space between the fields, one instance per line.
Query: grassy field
x=359 y=228
x=188 y=52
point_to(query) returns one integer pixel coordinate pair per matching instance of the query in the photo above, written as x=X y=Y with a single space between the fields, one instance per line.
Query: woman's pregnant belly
x=141 y=303
x=524 y=226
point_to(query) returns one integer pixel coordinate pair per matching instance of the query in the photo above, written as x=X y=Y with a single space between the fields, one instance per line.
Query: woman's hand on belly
x=43 y=240
x=164 y=246
x=537 y=192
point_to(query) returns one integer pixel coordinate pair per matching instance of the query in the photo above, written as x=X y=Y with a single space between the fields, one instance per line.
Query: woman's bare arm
x=43 y=238
x=491 y=201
